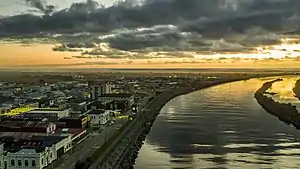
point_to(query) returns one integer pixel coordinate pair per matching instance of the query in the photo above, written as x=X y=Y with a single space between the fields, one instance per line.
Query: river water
x=220 y=127
x=284 y=90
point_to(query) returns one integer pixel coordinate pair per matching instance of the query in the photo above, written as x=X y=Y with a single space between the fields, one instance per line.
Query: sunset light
x=149 y=84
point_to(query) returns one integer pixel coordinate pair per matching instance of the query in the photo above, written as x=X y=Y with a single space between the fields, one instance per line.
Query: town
x=45 y=124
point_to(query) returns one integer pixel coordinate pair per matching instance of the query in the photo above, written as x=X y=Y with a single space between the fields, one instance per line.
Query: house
x=117 y=96
x=99 y=117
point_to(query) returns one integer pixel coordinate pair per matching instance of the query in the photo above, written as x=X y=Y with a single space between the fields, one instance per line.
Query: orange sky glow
x=41 y=56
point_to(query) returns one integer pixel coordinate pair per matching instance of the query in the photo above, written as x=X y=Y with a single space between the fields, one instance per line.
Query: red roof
x=22 y=124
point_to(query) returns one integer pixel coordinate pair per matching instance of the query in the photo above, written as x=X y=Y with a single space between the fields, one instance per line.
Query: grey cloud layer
x=168 y=24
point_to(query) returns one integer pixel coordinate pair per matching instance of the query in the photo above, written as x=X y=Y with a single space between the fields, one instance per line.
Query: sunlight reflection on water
x=284 y=90
x=220 y=127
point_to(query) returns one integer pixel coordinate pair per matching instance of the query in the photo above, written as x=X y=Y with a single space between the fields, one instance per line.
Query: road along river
x=220 y=127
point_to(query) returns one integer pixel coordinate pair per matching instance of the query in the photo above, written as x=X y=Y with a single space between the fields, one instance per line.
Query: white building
x=99 y=117
x=51 y=112
x=117 y=96
x=99 y=89
x=51 y=148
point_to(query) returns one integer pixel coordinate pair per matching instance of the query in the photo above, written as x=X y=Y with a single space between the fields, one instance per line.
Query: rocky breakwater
x=287 y=113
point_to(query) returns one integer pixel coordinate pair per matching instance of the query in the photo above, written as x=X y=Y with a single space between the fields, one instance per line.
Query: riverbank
x=296 y=89
x=123 y=151
x=127 y=160
x=284 y=112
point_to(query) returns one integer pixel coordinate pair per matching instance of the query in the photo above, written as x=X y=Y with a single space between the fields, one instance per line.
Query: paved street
x=89 y=146
x=92 y=143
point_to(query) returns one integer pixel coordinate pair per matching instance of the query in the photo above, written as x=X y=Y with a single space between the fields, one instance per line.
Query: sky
x=150 y=33
x=14 y=7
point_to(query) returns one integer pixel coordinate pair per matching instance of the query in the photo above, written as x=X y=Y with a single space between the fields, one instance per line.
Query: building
x=4 y=110
x=117 y=96
x=81 y=122
x=96 y=105
x=121 y=106
x=27 y=126
x=77 y=135
x=79 y=106
x=99 y=117
x=98 y=89
x=29 y=105
x=28 y=158
x=35 y=153
x=49 y=112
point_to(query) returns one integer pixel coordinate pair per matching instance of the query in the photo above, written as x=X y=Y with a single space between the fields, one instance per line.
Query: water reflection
x=284 y=91
x=220 y=127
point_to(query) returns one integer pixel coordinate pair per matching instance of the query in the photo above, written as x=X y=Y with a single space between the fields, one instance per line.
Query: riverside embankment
x=123 y=150
x=126 y=152
x=287 y=113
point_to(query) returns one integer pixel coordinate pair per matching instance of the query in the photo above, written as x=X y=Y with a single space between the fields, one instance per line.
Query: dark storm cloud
x=168 y=24
x=91 y=16
x=36 y=4
x=42 y=6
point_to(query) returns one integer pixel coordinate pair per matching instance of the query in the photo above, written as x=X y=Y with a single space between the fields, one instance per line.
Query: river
x=219 y=127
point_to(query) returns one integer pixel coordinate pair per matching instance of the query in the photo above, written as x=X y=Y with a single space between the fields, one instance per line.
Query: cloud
x=94 y=17
x=160 y=25
x=42 y=6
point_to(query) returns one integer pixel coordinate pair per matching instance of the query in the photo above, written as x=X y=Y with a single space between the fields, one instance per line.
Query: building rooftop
x=117 y=95
x=71 y=131
x=95 y=112
x=23 y=124
x=117 y=101
x=46 y=110
x=27 y=151
x=39 y=116
x=30 y=117
x=98 y=82
x=19 y=135
x=74 y=116
x=44 y=141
